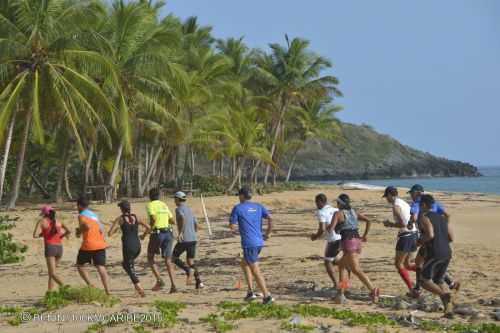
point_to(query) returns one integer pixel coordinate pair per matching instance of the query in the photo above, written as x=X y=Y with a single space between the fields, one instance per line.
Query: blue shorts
x=162 y=242
x=251 y=254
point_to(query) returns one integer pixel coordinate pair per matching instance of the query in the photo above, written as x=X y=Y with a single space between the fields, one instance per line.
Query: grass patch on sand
x=435 y=326
x=299 y=328
x=10 y=250
x=80 y=295
x=217 y=323
x=168 y=314
x=16 y=314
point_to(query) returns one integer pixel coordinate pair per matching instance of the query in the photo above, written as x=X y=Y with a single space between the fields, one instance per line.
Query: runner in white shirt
x=407 y=235
x=325 y=214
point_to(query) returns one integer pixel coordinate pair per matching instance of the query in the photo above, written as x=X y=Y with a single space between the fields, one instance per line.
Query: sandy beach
x=291 y=262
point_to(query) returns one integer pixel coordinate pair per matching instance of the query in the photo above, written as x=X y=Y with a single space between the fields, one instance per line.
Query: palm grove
x=93 y=93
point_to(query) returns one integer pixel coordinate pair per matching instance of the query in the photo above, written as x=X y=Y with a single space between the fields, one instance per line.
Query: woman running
x=131 y=245
x=345 y=222
x=50 y=229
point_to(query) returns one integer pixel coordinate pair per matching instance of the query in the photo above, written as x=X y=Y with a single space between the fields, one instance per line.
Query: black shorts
x=407 y=243
x=97 y=257
x=332 y=250
x=162 y=242
x=435 y=269
x=188 y=247
x=53 y=251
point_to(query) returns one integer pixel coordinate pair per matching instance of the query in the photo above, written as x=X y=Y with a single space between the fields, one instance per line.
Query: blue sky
x=426 y=72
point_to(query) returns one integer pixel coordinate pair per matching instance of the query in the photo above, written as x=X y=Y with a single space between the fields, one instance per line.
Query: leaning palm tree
x=43 y=71
x=290 y=74
x=140 y=48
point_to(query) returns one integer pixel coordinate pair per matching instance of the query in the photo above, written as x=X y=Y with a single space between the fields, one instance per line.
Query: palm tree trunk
x=237 y=174
x=143 y=186
x=5 y=160
x=290 y=168
x=61 y=176
x=254 y=171
x=276 y=135
x=20 y=162
x=114 y=173
x=192 y=162
x=88 y=164
x=66 y=180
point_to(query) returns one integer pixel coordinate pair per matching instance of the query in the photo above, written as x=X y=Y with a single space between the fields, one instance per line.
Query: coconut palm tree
x=290 y=74
x=43 y=70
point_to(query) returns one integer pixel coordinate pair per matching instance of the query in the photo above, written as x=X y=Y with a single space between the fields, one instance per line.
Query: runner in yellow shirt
x=162 y=238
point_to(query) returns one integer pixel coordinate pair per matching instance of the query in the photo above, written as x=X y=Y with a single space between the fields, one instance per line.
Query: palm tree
x=312 y=121
x=43 y=68
x=291 y=74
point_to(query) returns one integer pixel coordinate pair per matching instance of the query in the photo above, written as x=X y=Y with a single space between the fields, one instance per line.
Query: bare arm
x=336 y=219
x=180 y=225
x=427 y=228
x=67 y=232
x=37 y=231
x=114 y=226
x=363 y=218
x=269 y=227
x=451 y=234
x=398 y=218
x=319 y=232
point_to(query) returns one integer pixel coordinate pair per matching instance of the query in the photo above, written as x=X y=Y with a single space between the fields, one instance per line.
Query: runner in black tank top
x=131 y=244
x=436 y=237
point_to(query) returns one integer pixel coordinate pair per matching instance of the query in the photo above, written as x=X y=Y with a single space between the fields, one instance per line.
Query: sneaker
x=340 y=299
x=455 y=286
x=375 y=294
x=414 y=293
x=173 y=290
x=250 y=296
x=159 y=285
x=199 y=284
x=268 y=300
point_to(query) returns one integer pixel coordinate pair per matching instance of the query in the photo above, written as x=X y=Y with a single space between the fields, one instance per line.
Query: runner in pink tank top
x=50 y=229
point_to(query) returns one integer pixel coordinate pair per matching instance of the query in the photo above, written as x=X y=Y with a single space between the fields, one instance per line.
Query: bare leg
x=154 y=267
x=51 y=264
x=170 y=270
x=331 y=272
x=352 y=261
x=85 y=275
x=104 y=277
x=248 y=274
x=261 y=283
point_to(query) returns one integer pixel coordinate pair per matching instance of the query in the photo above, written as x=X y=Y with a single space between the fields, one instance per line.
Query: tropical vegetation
x=121 y=96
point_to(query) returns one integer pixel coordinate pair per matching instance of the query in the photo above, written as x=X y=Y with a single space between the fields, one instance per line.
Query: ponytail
x=53 y=224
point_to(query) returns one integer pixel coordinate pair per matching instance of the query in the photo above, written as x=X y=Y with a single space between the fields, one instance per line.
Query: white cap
x=180 y=195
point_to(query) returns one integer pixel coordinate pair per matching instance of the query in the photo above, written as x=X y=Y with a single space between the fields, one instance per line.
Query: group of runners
x=424 y=224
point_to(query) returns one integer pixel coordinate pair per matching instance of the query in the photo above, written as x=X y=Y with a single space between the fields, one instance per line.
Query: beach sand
x=290 y=262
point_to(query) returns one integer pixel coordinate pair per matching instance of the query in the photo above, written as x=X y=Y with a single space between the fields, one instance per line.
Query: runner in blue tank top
x=248 y=216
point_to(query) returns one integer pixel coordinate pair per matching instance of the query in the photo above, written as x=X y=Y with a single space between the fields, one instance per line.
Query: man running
x=436 y=235
x=161 y=239
x=93 y=248
x=249 y=215
x=416 y=193
x=187 y=227
x=407 y=235
x=325 y=215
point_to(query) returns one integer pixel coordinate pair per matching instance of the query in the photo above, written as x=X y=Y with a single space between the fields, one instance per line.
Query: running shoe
x=250 y=296
x=414 y=293
x=159 y=285
x=268 y=300
x=173 y=290
x=199 y=284
x=455 y=286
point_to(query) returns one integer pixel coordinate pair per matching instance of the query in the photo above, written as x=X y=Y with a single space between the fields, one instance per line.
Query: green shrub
x=10 y=250
x=217 y=323
x=168 y=313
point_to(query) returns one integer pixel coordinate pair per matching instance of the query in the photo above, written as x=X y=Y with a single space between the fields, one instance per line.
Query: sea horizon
x=487 y=183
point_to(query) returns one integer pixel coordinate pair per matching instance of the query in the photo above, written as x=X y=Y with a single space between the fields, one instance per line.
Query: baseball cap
x=416 y=188
x=180 y=195
x=45 y=210
x=390 y=190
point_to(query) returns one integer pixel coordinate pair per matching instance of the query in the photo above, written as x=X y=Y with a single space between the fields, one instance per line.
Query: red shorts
x=352 y=245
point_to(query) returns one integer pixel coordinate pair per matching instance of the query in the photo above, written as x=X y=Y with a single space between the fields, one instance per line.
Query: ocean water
x=488 y=183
